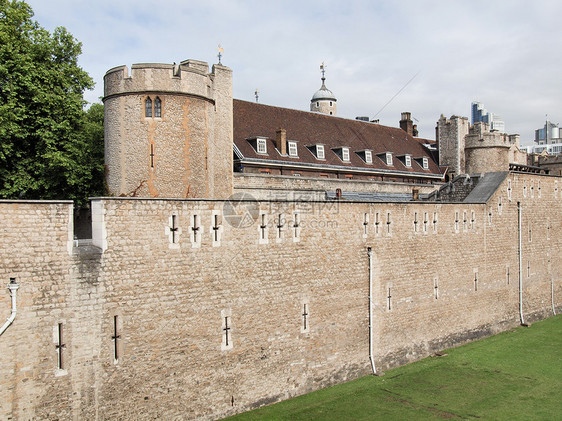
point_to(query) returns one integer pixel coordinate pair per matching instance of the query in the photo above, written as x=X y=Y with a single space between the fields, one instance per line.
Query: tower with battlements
x=487 y=151
x=451 y=134
x=168 y=130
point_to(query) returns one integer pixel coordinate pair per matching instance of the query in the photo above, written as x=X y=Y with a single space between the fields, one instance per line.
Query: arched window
x=148 y=107
x=157 y=108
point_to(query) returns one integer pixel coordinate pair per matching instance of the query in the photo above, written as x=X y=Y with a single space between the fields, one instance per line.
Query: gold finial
x=220 y=53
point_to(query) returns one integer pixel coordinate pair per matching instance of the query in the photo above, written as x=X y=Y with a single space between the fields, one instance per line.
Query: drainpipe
x=371 y=356
x=13 y=287
x=519 y=209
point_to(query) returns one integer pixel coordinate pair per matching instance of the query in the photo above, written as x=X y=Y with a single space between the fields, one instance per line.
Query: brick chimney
x=407 y=124
x=281 y=141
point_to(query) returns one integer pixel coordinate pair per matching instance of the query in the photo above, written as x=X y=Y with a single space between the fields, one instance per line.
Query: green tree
x=45 y=152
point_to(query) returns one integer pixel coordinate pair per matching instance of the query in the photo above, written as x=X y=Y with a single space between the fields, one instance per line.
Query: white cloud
x=504 y=54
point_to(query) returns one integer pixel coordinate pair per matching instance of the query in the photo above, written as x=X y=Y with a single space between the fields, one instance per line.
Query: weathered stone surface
x=170 y=299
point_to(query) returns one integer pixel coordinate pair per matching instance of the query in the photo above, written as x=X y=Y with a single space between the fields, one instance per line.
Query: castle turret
x=168 y=130
x=487 y=151
x=323 y=101
x=451 y=141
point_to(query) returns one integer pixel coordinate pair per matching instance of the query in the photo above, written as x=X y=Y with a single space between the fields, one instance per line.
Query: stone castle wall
x=443 y=273
x=273 y=187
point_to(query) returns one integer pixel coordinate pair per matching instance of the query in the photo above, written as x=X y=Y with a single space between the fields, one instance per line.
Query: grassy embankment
x=516 y=375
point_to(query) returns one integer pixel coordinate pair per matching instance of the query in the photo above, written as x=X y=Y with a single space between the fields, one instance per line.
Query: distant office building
x=479 y=113
x=550 y=148
x=548 y=135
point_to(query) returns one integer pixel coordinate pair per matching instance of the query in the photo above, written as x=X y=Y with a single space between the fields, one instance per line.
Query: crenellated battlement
x=190 y=77
x=480 y=136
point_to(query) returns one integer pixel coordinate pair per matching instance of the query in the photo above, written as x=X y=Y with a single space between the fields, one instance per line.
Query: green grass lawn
x=516 y=375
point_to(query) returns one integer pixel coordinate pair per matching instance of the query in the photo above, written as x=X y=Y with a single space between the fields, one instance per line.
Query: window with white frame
x=408 y=160
x=320 y=152
x=345 y=154
x=388 y=156
x=425 y=163
x=368 y=157
x=293 y=149
x=262 y=146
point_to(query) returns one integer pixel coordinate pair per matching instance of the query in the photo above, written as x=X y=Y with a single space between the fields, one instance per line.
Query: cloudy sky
x=426 y=57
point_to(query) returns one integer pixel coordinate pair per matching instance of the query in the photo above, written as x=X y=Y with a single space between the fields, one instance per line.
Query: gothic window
x=148 y=107
x=157 y=108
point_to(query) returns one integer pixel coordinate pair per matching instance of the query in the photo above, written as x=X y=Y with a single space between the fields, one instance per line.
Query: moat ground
x=516 y=375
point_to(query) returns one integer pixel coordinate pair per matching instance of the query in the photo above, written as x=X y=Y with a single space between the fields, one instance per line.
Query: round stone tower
x=323 y=101
x=168 y=130
x=487 y=151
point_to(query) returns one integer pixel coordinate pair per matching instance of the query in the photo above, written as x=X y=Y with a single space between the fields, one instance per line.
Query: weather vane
x=256 y=94
x=220 y=53
x=323 y=69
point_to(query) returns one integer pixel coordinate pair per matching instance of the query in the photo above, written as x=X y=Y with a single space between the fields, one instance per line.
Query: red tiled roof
x=253 y=120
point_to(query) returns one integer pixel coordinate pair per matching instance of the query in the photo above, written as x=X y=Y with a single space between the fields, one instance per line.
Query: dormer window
x=261 y=146
x=345 y=154
x=425 y=163
x=408 y=161
x=320 y=152
x=293 y=149
x=368 y=157
x=388 y=156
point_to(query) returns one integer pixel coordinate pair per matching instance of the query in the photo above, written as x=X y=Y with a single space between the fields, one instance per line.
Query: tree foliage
x=50 y=148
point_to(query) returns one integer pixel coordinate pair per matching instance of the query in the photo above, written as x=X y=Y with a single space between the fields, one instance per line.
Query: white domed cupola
x=323 y=101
